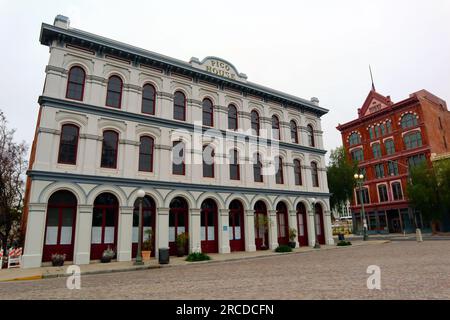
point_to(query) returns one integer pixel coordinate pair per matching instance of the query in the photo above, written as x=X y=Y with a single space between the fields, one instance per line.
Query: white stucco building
x=202 y=141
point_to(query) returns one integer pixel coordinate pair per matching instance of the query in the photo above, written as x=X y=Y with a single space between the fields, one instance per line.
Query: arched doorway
x=104 y=225
x=208 y=227
x=148 y=223
x=302 y=224
x=60 y=225
x=261 y=226
x=282 y=224
x=319 y=223
x=236 y=225
x=178 y=223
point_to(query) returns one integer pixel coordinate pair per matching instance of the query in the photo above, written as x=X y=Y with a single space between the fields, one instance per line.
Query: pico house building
x=212 y=151
x=386 y=140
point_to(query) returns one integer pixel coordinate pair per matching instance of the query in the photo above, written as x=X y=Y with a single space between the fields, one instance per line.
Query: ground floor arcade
x=82 y=220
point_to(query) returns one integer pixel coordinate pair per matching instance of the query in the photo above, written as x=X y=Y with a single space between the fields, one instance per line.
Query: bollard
x=419 y=235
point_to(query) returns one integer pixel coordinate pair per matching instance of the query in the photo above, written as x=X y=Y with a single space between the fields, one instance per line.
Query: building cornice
x=126 y=182
x=153 y=120
x=137 y=56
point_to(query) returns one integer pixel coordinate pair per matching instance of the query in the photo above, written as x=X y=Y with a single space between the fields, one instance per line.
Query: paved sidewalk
x=97 y=268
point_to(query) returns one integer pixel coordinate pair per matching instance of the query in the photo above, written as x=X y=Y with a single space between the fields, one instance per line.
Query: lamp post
x=316 y=241
x=360 y=180
x=138 y=261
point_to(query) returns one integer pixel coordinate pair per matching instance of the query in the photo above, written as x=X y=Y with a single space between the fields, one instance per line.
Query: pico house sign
x=218 y=67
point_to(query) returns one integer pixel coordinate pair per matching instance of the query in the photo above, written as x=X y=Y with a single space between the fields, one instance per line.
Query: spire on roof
x=371 y=77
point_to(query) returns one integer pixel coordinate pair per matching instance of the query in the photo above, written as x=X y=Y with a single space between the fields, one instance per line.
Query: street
x=409 y=270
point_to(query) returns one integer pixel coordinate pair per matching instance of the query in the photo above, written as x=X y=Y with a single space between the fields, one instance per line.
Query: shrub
x=344 y=243
x=283 y=248
x=197 y=256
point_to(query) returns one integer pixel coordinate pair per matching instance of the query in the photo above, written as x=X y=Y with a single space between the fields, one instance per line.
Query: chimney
x=315 y=101
x=62 y=21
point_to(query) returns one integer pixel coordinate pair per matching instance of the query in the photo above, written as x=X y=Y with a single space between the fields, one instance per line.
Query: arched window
x=255 y=122
x=208 y=114
x=178 y=158
x=294 y=134
x=109 y=149
x=282 y=223
x=298 y=172
x=408 y=120
x=234 y=165
x=179 y=106
x=75 y=83
x=314 y=174
x=148 y=99
x=413 y=140
x=68 y=144
x=257 y=168
x=114 y=92
x=310 y=133
x=354 y=138
x=146 y=154
x=279 y=175
x=275 y=128
x=208 y=161
x=232 y=117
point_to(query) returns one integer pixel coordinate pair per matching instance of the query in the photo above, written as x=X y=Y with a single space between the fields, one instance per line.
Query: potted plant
x=292 y=235
x=262 y=222
x=147 y=246
x=107 y=255
x=58 y=259
x=181 y=241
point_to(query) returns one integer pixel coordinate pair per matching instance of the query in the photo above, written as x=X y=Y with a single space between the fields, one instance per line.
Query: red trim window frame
x=174 y=144
x=108 y=90
x=151 y=154
x=282 y=211
x=279 y=177
x=254 y=116
x=206 y=164
x=206 y=113
x=310 y=133
x=71 y=82
x=294 y=131
x=298 y=172
x=116 y=149
x=148 y=85
x=314 y=174
x=175 y=105
x=235 y=163
x=76 y=145
x=233 y=117
x=276 y=126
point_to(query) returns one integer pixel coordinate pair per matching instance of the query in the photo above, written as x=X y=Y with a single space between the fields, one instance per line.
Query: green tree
x=340 y=173
x=428 y=189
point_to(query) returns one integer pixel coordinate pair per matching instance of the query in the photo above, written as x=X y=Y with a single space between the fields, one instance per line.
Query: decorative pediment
x=374 y=103
x=219 y=67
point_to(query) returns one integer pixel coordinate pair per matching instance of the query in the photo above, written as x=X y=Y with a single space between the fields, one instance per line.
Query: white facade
x=86 y=179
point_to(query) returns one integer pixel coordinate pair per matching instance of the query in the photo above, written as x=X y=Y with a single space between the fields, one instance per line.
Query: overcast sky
x=305 y=48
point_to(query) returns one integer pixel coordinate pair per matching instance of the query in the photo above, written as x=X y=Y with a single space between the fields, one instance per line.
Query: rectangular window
x=371 y=133
x=178 y=158
x=364 y=194
x=397 y=191
x=393 y=168
x=390 y=147
x=379 y=171
x=382 y=191
x=389 y=126
x=357 y=155
x=416 y=160
x=376 y=149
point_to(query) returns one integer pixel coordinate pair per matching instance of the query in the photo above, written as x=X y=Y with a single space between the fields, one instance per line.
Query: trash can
x=341 y=237
x=163 y=256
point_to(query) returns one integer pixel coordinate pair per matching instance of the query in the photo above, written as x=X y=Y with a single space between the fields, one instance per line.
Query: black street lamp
x=316 y=241
x=140 y=196
x=359 y=181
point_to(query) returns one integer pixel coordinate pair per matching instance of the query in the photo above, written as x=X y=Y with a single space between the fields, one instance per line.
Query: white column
x=224 y=232
x=250 y=230
x=125 y=232
x=34 y=239
x=327 y=227
x=82 y=250
x=293 y=224
x=273 y=230
x=194 y=230
x=162 y=224
x=311 y=229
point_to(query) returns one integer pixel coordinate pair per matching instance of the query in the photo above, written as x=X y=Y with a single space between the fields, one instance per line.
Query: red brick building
x=387 y=139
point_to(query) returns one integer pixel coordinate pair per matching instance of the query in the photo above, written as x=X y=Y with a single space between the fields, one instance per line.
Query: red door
x=104 y=225
x=282 y=224
x=178 y=223
x=261 y=226
x=302 y=225
x=236 y=225
x=148 y=223
x=60 y=225
x=208 y=227
x=319 y=224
